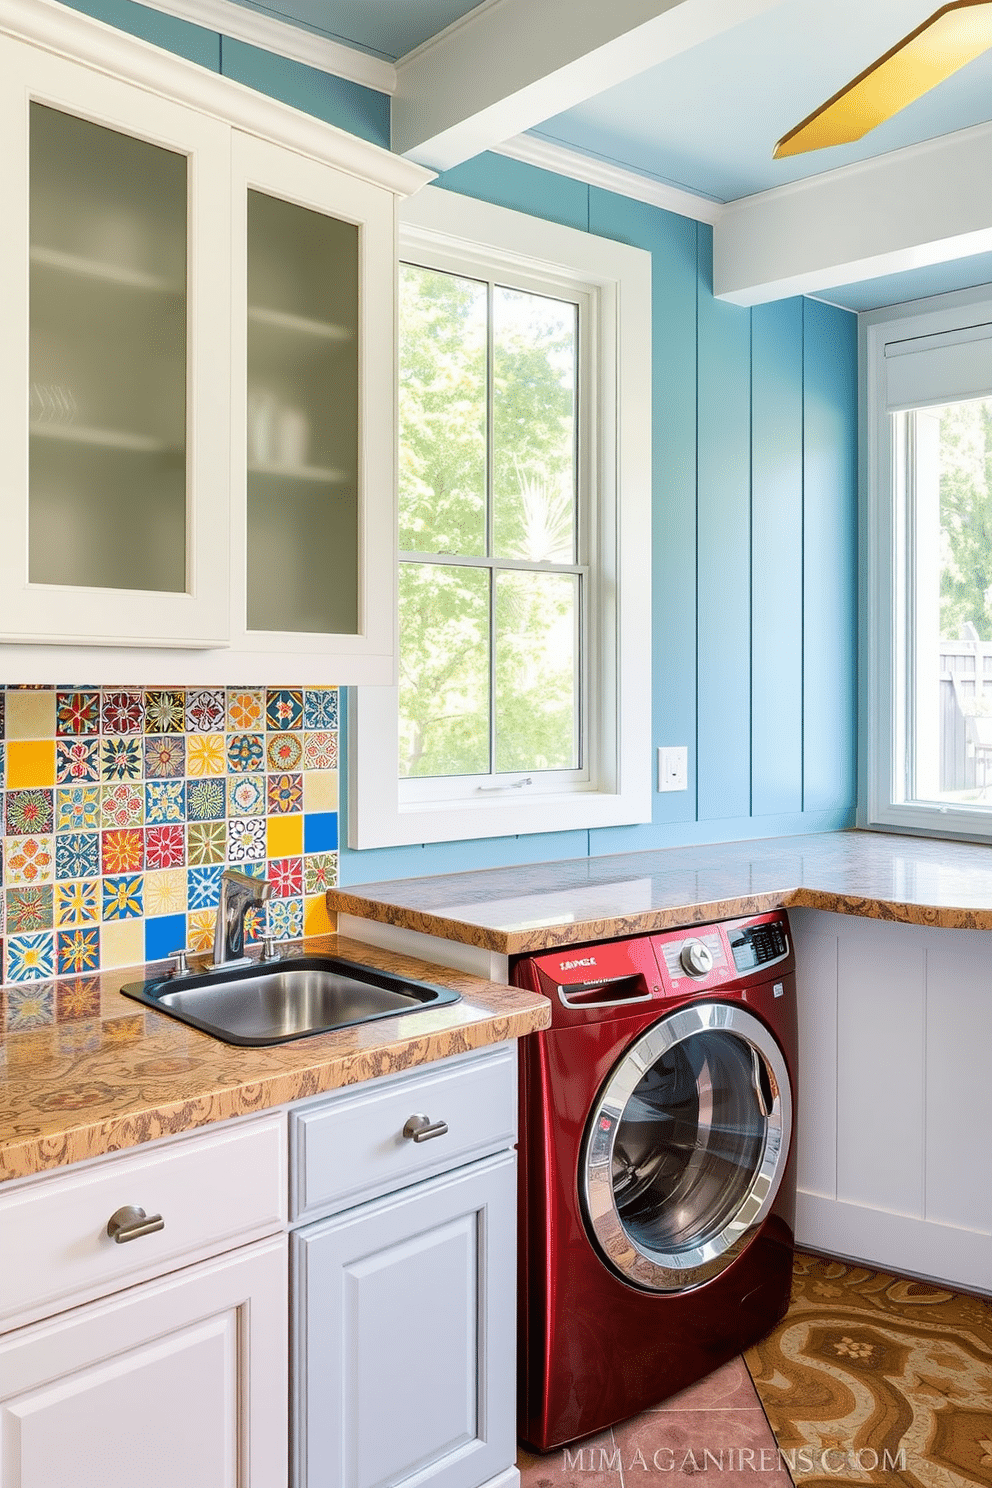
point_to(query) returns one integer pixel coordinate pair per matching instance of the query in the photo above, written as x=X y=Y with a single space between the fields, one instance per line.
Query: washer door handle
x=762 y=1084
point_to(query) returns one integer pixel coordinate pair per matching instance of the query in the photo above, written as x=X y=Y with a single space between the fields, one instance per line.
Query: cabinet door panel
x=116 y=261
x=405 y=1336
x=181 y=1381
x=313 y=417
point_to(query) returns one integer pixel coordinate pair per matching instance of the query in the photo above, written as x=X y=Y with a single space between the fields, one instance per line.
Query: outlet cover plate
x=673 y=768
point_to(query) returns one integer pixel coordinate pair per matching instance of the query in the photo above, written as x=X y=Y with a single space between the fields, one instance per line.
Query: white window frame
x=439 y=226
x=891 y=652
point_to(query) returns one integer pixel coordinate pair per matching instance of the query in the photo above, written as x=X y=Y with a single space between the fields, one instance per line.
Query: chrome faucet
x=238 y=892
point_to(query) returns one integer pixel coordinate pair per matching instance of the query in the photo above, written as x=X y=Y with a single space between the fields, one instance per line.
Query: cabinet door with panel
x=312 y=458
x=404 y=1356
x=114 y=373
x=180 y=1381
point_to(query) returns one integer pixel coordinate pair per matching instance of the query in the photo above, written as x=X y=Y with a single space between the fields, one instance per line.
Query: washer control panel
x=697 y=956
x=758 y=945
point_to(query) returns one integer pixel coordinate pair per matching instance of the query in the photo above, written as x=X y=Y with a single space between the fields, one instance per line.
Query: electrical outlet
x=673 y=768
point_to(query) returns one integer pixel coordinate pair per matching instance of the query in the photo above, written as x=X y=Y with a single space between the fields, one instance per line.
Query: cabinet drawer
x=350 y=1146
x=214 y=1189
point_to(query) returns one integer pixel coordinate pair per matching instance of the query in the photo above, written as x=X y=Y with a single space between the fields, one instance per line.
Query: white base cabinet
x=894 y=1109
x=180 y=1381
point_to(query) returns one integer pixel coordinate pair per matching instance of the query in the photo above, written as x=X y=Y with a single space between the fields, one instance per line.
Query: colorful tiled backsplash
x=121 y=807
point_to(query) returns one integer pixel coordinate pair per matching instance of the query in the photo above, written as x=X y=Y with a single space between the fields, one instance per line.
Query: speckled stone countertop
x=92 y=1071
x=916 y=880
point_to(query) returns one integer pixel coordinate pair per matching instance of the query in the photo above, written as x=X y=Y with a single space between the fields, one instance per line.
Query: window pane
x=444 y=670
x=537 y=691
x=951 y=464
x=534 y=362
x=442 y=410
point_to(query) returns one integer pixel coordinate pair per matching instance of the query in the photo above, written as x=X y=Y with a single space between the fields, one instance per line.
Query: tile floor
x=716 y=1426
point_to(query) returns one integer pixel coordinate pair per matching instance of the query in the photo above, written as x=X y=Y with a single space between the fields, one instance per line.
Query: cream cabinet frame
x=233 y=138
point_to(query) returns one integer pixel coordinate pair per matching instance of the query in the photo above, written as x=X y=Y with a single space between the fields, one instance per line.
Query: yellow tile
x=30 y=762
x=31 y=715
x=206 y=755
x=122 y=943
x=284 y=837
x=317 y=919
x=320 y=790
x=200 y=925
x=165 y=891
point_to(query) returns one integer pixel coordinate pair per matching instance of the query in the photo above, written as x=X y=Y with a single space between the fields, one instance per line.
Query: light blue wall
x=754 y=548
x=754 y=538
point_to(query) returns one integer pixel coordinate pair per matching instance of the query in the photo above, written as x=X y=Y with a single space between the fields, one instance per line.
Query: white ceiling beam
x=928 y=203
x=510 y=64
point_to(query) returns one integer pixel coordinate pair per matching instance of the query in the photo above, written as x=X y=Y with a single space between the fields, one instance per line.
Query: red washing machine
x=657 y=1175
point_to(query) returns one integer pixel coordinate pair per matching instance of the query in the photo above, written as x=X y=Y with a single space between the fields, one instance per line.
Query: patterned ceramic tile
x=283 y=708
x=123 y=711
x=200 y=925
x=165 y=712
x=122 y=850
x=320 y=751
x=165 y=756
x=77 y=998
x=29 y=860
x=123 y=897
x=203 y=886
x=284 y=794
x=205 y=710
x=30 y=958
x=121 y=759
x=206 y=842
x=206 y=754
x=246 y=839
x=77 y=808
x=320 y=708
x=77 y=713
x=165 y=801
x=76 y=760
x=77 y=902
x=29 y=908
x=78 y=950
x=245 y=753
x=284 y=918
x=246 y=795
x=245 y=711
x=77 y=855
x=286 y=877
x=122 y=805
x=284 y=751
x=320 y=872
x=206 y=800
x=165 y=891
x=165 y=847
x=29 y=813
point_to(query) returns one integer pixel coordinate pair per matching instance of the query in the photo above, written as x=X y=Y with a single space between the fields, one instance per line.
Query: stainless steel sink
x=270 y=1002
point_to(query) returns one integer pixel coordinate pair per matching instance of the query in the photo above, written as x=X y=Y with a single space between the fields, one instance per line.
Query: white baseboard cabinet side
x=894 y=1107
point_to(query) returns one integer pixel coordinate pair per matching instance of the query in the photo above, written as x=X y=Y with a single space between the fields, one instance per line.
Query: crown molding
x=286 y=40
x=79 y=38
x=572 y=163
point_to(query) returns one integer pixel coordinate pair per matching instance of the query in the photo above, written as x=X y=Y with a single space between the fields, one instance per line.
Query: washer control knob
x=696 y=958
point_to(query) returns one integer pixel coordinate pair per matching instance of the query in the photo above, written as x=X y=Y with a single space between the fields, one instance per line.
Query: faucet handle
x=182 y=965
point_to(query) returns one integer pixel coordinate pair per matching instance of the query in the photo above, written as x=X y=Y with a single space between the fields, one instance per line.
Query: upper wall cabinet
x=196 y=378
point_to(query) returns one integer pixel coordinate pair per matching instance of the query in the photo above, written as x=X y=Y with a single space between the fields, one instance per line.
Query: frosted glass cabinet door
x=313 y=394
x=118 y=532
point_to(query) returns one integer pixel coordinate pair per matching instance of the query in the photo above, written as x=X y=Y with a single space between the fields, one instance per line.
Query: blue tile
x=203 y=886
x=320 y=831
x=163 y=935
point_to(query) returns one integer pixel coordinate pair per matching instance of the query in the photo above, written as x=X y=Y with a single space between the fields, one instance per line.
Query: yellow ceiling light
x=954 y=34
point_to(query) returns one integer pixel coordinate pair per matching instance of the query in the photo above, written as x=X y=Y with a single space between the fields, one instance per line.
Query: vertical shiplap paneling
x=174 y=35
x=524 y=188
x=723 y=537
x=830 y=556
x=671 y=241
x=777 y=557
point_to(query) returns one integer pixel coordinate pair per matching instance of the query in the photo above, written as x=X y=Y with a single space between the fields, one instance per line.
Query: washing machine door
x=686 y=1146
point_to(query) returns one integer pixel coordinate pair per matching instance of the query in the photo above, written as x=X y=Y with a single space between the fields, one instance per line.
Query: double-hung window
x=523 y=572
x=930 y=616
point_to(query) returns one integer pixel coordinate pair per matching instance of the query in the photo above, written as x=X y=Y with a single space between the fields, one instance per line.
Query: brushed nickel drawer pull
x=421 y=1128
x=130 y=1223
